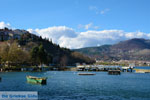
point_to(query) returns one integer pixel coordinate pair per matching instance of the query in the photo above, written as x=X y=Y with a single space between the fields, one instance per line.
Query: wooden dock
x=97 y=67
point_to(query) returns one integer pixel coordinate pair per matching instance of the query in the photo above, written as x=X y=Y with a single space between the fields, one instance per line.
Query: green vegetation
x=40 y=56
x=31 y=50
x=12 y=55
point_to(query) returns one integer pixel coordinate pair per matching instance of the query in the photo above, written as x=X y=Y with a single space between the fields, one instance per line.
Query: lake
x=68 y=85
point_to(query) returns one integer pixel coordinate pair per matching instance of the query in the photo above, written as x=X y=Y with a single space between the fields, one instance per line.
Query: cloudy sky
x=79 y=23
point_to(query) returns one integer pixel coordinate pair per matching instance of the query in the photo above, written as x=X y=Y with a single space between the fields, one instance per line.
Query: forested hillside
x=21 y=48
x=133 y=49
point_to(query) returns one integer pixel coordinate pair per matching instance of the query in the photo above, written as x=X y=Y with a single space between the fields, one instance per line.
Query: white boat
x=86 y=74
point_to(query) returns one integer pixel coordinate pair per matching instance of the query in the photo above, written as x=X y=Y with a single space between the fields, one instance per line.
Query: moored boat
x=114 y=72
x=142 y=70
x=86 y=74
x=36 y=80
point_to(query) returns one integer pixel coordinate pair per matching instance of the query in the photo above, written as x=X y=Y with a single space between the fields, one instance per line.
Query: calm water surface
x=67 y=85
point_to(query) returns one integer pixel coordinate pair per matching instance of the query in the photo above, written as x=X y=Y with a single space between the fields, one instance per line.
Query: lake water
x=68 y=85
x=142 y=67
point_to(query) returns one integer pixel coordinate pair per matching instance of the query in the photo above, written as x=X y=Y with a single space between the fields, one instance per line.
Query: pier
x=104 y=68
x=97 y=68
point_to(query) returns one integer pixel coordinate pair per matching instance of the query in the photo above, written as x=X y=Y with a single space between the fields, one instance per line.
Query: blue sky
x=80 y=15
x=128 y=15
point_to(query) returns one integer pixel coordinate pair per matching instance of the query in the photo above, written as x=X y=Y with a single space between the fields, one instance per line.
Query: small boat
x=114 y=72
x=0 y=78
x=147 y=72
x=142 y=70
x=86 y=74
x=36 y=80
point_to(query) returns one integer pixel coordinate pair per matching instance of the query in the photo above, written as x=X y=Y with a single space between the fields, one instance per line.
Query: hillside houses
x=6 y=34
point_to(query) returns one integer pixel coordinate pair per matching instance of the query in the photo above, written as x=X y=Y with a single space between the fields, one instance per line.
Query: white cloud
x=95 y=27
x=88 y=26
x=98 y=11
x=93 y=8
x=3 y=25
x=55 y=33
x=104 y=11
x=67 y=37
x=77 y=42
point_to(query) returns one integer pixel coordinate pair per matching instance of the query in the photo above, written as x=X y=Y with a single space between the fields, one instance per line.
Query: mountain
x=133 y=49
x=132 y=44
x=91 y=51
x=18 y=45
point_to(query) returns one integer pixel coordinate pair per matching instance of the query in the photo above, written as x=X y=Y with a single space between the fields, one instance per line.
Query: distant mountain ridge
x=133 y=49
x=136 y=43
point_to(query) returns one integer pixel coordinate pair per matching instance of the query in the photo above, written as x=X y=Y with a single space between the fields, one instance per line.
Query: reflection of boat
x=0 y=78
x=86 y=74
x=114 y=72
x=36 y=80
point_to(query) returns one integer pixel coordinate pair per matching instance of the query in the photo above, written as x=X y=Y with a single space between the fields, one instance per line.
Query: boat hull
x=114 y=72
x=36 y=80
x=86 y=74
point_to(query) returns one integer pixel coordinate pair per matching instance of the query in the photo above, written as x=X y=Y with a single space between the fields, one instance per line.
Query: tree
x=63 y=61
x=42 y=55
x=49 y=58
x=4 y=49
x=34 y=54
x=13 y=55
x=6 y=28
x=17 y=56
x=81 y=58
